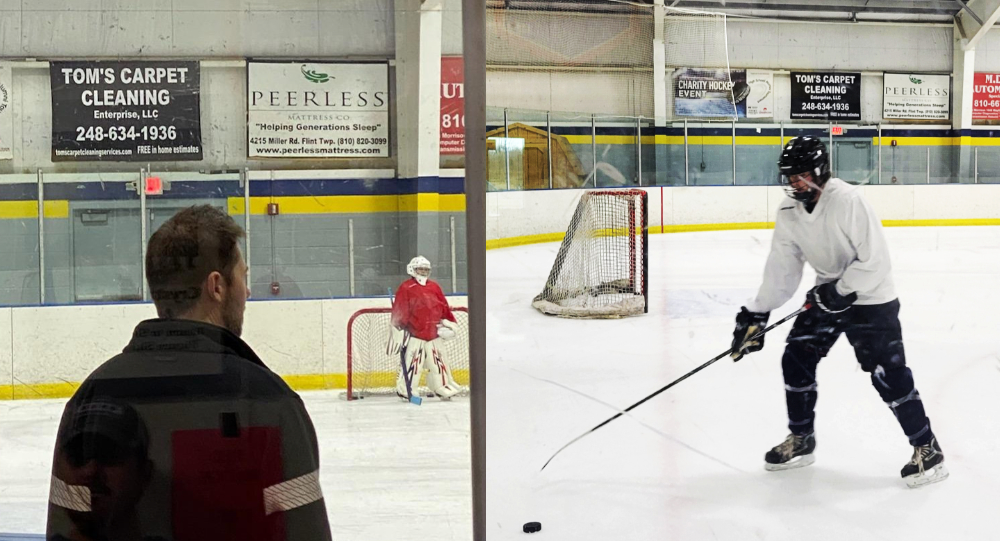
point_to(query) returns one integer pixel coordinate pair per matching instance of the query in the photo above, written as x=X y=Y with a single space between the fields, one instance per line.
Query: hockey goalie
x=421 y=319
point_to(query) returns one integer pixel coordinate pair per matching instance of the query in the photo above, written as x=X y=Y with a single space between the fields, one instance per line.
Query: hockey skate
x=794 y=452
x=926 y=466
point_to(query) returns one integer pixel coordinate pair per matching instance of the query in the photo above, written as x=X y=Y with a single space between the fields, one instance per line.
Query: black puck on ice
x=532 y=527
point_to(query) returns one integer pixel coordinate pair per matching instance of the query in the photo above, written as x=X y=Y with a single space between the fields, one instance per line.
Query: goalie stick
x=675 y=382
x=416 y=400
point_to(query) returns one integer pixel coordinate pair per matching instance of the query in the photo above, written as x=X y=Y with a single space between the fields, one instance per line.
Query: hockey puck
x=532 y=527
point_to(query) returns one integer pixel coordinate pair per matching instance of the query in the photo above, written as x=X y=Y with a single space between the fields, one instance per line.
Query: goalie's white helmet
x=419 y=268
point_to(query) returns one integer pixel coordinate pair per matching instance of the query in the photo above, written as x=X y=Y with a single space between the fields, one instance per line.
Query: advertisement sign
x=759 y=102
x=916 y=96
x=125 y=111
x=826 y=95
x=986 y=96
x=313 y=110
x=452 y=105
x=6 y=122
x=717 y=93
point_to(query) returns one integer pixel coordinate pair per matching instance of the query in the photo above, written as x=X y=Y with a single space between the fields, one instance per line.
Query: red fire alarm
x=837 y=130
x=275 y=288
x=272 y=209
x=154 y=186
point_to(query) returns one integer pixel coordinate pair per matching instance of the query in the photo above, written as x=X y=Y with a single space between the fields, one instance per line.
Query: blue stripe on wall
x=218 y=189
x=382 y=186
x=18 y=192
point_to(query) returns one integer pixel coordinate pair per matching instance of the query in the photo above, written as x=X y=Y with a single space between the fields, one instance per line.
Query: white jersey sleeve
x=783 y=271
x=871 y=267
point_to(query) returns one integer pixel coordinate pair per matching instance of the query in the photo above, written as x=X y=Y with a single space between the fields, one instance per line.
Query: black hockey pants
x=875 y=334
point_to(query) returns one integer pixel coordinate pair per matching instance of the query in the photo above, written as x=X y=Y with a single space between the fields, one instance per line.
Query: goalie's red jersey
x=418 y=309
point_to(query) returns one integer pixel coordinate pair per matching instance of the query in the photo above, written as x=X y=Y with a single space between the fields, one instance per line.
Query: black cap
x=115 y=420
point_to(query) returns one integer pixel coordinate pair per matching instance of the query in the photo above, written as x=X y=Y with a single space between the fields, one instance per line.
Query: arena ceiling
x=942 y=11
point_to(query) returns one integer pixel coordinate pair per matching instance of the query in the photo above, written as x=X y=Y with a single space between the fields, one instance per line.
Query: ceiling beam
x=974 y=28
x=932 y=8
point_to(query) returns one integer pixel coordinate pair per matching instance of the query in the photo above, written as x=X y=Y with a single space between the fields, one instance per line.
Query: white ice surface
x=389 y=470
x=705 y=480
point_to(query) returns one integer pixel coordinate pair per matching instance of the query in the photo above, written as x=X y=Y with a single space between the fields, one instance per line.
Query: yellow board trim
x=690 y=228
x=298 y=382
x=352 y=204
x=20 y=210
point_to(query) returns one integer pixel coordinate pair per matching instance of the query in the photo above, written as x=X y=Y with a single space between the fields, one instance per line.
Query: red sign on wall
x=452 y=105
x=986 y=96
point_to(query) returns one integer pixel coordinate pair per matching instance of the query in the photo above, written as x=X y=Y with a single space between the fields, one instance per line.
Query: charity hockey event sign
x=126 y=111
x=700 y=92
x=826 y=95
x=317 y=110
x=916 y=96
x=986 y=96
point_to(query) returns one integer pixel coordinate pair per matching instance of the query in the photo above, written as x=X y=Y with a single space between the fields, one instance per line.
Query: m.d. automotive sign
x=310 y=110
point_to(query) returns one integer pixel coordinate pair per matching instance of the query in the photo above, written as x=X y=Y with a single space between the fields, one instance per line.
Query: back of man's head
x=184 y=251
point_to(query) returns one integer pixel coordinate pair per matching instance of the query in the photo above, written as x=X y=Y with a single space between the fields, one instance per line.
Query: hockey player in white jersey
x=828 y=224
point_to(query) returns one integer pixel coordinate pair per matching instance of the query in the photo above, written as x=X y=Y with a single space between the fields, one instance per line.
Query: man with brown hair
x=234 y=452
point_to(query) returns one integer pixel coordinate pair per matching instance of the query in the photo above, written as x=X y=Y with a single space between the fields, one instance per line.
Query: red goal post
x=372 y=372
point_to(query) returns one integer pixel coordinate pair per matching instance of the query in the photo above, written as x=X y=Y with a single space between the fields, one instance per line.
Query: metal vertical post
x=687 y=173
x=246 y=219
x=833 y=161
x=41 y=238
x=270 y=221
x=928 y=165
x=593 y=145
x=506 y=146
x=548 y=144
x=781 y=143
x=975 y=167
x=638 y=147
x=454 y=264
x=880 y=153
x=734 y=152
x=143 y=227
x=350 y=252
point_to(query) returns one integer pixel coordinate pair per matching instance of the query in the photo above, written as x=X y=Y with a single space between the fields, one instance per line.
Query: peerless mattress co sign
x=311 y=110
x=917 y=96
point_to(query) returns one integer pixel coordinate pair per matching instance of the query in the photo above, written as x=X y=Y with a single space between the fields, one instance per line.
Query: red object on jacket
x=418 y=309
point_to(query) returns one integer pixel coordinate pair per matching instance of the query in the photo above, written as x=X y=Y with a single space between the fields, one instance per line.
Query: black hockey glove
x=825 y=297
x=748 y=324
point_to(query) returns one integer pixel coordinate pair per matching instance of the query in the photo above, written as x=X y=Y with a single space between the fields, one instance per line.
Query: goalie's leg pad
x=414 y=361
x=439 y=378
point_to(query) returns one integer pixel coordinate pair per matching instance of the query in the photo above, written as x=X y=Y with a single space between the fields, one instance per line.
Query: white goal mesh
x=372 y=372
x=600 y=270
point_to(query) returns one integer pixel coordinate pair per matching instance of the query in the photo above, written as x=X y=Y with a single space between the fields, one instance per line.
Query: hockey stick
x=675 y=382
x=415 y=400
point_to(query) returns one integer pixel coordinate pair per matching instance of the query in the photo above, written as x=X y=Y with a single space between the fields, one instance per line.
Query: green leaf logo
x=916 y=81
x=314 y=76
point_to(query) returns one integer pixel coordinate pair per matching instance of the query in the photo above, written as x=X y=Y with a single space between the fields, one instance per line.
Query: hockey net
x=372 y=372
x=601 y=268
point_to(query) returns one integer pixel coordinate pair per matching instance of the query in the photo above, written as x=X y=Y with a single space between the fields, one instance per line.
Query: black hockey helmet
x=801 y=155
